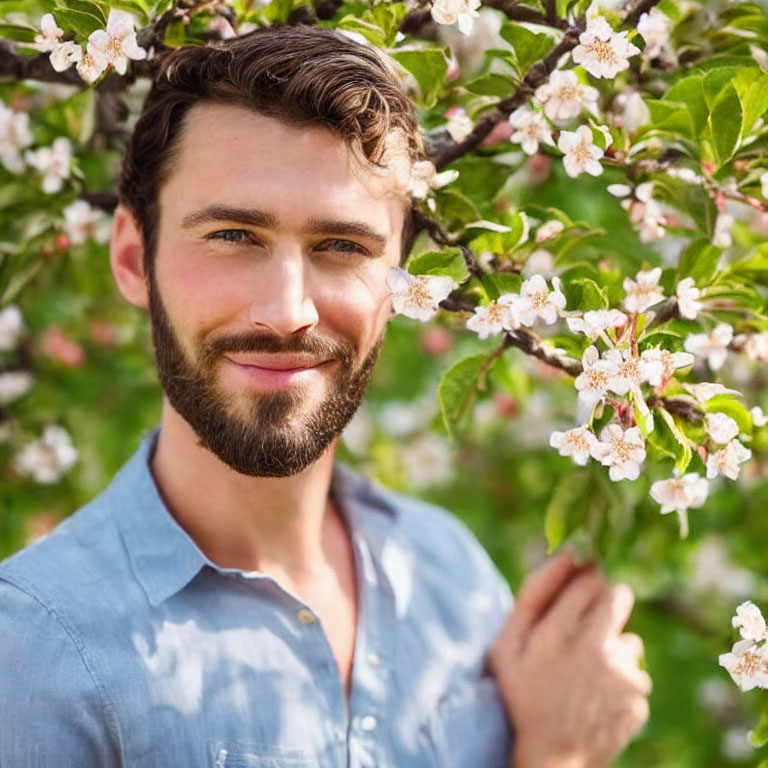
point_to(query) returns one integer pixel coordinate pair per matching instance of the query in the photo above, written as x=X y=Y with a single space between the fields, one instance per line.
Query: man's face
x=268 y=295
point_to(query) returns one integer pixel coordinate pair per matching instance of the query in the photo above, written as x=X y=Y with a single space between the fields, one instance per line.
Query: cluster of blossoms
x=109 y=47
x=614 y=373
x=49 y=457
x=747 y=662
x=460 y=12
x=53 y=162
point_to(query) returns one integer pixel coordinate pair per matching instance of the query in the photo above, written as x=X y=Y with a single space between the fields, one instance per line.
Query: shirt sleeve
x=52 y=711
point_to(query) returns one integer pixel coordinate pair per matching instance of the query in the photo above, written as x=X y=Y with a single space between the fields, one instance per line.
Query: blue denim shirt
x=121 y=644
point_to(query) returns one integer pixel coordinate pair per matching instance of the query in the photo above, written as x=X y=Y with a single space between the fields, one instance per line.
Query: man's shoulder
x=77 y=554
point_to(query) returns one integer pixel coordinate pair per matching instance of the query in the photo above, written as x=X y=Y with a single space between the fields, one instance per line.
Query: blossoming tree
x=584 y=335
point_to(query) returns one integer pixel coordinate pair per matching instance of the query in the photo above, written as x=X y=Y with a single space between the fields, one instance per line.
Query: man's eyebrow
x=211 y=213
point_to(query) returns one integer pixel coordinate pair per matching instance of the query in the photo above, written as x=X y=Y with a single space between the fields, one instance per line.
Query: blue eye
x=231 y=235
x=341 y=246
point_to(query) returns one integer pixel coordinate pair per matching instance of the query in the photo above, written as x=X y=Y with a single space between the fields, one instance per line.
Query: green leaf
x=565 y=510
x=371 y=31
x=671 y=117
x=458 y=388
x=388 y=16
x=699 y=261
x=690 y=92
x=529 y=46
x=725 y=122
x=758 y=737
x=79 y=22
x=751 y=85
x=661 y=338
x=86 y=6
x=493 y=84
x=679 y=446
x=175 y=34
x=586 y=295
x=454 y=209
x=428 y=66
x=278 y=11
x=17 y=32
x=506 y=282
x=753 y=267
x=449 y=261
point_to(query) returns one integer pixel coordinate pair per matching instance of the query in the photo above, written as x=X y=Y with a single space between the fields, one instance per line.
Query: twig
x=528 y=343
x=635 y=10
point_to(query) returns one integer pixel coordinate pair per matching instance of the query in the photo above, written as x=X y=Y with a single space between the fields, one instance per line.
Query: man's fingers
x=574 y=600
x=539 y=590
x=610 y=613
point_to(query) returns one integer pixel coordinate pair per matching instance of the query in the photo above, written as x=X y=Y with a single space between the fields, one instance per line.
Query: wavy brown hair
x=304 y=76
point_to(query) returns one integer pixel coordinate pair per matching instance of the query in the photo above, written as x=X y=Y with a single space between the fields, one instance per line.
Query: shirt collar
x=165 y=558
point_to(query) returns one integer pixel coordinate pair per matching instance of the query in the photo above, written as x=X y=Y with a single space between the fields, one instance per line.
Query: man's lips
x=275 y=371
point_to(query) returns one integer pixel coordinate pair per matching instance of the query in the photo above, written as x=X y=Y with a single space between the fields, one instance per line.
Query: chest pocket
x=469 y=727
x=244 y=755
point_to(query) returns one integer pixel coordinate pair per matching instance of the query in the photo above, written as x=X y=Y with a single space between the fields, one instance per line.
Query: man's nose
x=283 y=303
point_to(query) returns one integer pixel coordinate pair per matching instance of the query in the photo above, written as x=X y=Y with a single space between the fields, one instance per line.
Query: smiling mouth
x=278 y=371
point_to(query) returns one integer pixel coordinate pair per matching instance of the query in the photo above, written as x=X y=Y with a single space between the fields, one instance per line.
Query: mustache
x=309 y=343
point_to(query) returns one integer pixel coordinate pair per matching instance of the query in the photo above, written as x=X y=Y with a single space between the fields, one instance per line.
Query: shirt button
x=368 y=723
x=305 y=616
x=373 y=659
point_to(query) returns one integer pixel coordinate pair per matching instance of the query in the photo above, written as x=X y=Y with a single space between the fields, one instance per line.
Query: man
x=233 y=598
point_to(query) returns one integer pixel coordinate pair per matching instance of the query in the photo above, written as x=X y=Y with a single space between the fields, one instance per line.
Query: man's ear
x=126 y=256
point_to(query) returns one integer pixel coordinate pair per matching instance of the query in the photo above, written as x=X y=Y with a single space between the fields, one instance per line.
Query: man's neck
x=283 y=526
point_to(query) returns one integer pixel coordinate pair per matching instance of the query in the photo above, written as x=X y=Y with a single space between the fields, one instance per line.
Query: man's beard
x=268 y=440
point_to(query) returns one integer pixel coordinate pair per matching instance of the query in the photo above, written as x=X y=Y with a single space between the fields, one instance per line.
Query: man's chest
x=253 y=681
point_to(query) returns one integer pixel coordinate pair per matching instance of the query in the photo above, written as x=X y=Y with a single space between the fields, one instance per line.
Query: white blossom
x=548 y=230
x=713 y=345
x=621 y=450
x=577 y=443
x=461 y=12
x=750 y=622
x=619 y=190
x=706 y=390
x=14 y=136
x=601 y=51
x=82 y=221
x=48 y=39
x=759 y=419
x=48 y=458
x=727 y=460
x=538 y=302
x=116 y=44
x=424 y=176
x=540 y=262
x=564 y=97
x=596 y=321
x=633 y=111
x=659 y=365
x=721 y=427
x=581 y=152
x=427 y=461
x=688 y=175
x=14 y=384
x=65 y=55
x=530 y=130
x=418 y=296
x=11 y=327
x=89 y=67
x=754 y=346
x=687 y=298
x=592 y=383
x=747 y=665
x=764 y=185
x=498 y=316
x=680 y=493
x=459 y=124
x=627 y=375
x=643 y=210
x=655 y=27
x=53 y=162
x=644 y=291
x=721 y=237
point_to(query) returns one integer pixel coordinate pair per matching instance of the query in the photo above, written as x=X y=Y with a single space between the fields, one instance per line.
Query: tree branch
x=635 y=10
x=537 y=74
x=528 y=343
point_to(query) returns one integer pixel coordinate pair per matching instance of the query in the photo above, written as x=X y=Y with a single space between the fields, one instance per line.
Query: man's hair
x=302 y=76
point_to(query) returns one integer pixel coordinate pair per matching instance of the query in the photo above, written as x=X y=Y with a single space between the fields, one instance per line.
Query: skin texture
x=569 y=675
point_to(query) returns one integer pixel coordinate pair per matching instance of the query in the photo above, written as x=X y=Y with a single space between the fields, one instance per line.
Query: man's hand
x=569 y=677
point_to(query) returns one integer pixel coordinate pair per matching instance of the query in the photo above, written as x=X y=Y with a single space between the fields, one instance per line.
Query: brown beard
x=267 y=441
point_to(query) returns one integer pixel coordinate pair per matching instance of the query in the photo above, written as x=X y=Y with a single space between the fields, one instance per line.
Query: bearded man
x=234 y=598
